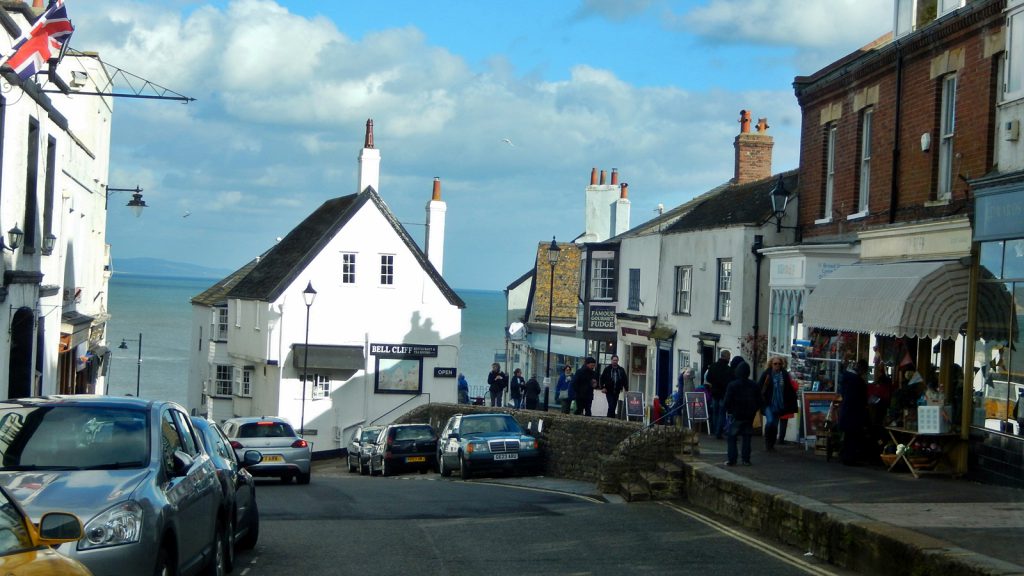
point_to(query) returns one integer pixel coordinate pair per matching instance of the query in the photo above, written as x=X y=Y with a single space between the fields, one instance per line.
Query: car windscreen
x=489 y=424
x=265 y=429
x=369 y=435
x=73 y=438
x=414 y=433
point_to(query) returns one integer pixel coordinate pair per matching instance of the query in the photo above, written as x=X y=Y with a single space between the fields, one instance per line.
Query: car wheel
x=464 y=470
x=304 y=478
x=351 y=466
x=363 y=470
x=217 y=567
x=164 y=563
x=444 y=470
x=248 y=542
x=229 y=548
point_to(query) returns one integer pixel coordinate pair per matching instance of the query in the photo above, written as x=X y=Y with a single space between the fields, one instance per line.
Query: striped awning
x=912 y=299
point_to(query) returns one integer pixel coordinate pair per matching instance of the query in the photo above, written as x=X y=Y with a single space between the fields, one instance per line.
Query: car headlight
x=476 y=447
x=121 y=524
x=528 y=443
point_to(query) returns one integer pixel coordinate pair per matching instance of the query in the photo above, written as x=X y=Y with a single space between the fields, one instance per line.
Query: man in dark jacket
x=496 y=382
x=853 y=411
x=532 y=392
x=613 y=381
x=742 y=401
x=583 y=383
x=719 y=376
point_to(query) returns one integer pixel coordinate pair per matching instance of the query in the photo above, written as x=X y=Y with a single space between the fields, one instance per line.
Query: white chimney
x=436 y=209
x=369 y=162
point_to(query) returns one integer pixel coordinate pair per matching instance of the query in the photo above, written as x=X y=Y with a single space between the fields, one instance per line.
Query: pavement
x=969 y=527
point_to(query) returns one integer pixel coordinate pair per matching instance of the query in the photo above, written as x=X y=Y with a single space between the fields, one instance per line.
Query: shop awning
x=913 y=299
x=329 y=357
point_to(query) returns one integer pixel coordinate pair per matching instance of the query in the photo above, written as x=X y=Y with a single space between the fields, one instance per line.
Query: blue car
x=486 y=442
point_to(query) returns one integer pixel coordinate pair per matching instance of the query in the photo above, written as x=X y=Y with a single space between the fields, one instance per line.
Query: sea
x=152 y=316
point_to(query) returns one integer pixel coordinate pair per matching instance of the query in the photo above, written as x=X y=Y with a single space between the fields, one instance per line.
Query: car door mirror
x=59 y=527
x=251 y=458
x=182 y=463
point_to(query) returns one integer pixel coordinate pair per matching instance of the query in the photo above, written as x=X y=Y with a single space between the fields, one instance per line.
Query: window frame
x=221 y=323
x=602 y=278
x=947 y=135
x=683 y=289
x=219 y=380
x=348 y=267
x=1013 y=84
x=864 y=182
x=828 y=197
x=634 y=290
x=723 y=291
x=319 y=385
x=245 y=384
x=387 y=269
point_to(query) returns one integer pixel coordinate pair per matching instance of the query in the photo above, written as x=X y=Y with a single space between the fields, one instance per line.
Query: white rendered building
x=384 y=330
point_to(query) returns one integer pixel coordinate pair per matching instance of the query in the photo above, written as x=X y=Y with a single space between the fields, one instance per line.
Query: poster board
x=634 y=405
x=814 y=410
x=697 y=410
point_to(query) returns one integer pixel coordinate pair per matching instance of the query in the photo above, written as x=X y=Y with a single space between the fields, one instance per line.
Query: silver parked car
x=360 y=447
x=133 y=470
x=285 y=454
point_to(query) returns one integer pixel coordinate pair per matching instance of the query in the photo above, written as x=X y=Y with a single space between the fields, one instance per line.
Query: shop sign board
x=634 y=405
x=601 y=318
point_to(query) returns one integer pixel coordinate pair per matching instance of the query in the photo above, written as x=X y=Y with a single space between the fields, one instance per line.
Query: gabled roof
x=734 y=205
x=663 y=221
x=278 y=268
x=218 y=293
x=515 y=283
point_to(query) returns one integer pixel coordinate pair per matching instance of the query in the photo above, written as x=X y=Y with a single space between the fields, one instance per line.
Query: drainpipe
x=894 y=184
x=754 y=249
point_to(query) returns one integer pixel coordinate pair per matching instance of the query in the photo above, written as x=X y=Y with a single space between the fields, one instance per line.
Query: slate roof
x=734 y=205
x=217 y=294
x=281 y=265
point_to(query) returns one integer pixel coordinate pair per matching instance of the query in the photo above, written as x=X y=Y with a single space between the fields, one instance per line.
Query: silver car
x=133 y=470
x=285 y=454
x=360 y=447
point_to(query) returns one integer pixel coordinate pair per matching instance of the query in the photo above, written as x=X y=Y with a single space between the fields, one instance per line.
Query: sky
x=509 y=103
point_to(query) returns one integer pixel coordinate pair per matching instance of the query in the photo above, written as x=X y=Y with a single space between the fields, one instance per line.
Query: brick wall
x=839 y=95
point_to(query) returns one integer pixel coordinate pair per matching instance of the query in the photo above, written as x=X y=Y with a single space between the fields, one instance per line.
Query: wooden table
x=907 y=437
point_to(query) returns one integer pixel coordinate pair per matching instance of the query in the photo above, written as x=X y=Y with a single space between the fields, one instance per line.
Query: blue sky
x=283 y=90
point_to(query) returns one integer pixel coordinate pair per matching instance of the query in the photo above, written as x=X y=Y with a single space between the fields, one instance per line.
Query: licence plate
x=416 y=459
x=512 y=456
x=273 y=458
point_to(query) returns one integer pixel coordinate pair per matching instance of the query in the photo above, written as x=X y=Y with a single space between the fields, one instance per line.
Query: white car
x=285 y=454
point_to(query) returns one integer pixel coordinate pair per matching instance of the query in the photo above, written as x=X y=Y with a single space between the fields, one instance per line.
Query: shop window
x=638 y=360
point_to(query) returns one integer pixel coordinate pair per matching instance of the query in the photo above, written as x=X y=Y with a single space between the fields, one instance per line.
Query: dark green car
x=473 y=443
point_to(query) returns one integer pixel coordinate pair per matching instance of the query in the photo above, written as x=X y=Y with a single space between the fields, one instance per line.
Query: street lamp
x=309 y=295
x=553 y=251
x=138 y=369
x=780 y=201
x=14 y=238
x=136 y=203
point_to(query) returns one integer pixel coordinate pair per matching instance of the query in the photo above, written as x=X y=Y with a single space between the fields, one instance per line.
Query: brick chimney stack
x=753 y=151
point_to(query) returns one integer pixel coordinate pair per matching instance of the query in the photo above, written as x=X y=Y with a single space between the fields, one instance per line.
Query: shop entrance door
x=707 y=358
x=663 y=375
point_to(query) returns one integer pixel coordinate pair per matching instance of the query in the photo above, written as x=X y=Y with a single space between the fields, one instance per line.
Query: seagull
x=186 y=214
x=507 y=141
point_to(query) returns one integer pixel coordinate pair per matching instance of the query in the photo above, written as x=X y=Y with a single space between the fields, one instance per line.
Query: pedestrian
x=613 y=382
x=742 y=401
x=531 y=393
x=564 y=393
x=718 y=376
x=584 y=381
x=778 y=397
x=785 y=418
x=496 y=382
x=463 y=389
x=853 y=411
x=515 y=388
x=677 y=412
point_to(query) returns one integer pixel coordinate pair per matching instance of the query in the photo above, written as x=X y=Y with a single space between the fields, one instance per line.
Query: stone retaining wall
x=576 y=447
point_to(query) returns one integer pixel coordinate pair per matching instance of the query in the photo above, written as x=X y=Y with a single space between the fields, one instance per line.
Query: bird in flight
x=186 y=214
x=507 y=141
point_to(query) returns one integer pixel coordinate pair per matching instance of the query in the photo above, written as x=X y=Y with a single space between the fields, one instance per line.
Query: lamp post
x=780 y=201
x=755 y=249
x=138 y=367
x=308 y=295
x=553 y=251
x=136 y=203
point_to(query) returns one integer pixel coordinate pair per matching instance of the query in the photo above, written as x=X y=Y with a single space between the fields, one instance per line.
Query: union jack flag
x=46 y=39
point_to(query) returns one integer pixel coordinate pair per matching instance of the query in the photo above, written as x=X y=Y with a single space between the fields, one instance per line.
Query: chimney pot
x=744 y=121
x=37 y=3
x=602 y=178
x=437 y=189
x=615 y=176
x=624 y=191
x=368 y=142
x=593 y=176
